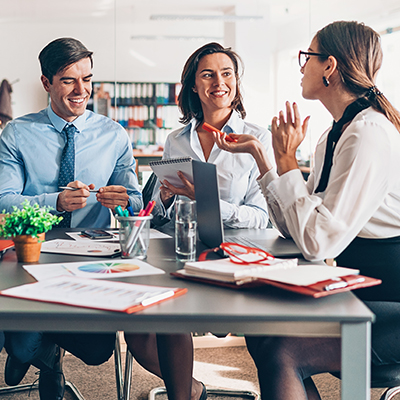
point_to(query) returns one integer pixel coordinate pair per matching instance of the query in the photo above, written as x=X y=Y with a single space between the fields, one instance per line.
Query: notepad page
x=227 y=268
x=168 y=169
x=305 y=275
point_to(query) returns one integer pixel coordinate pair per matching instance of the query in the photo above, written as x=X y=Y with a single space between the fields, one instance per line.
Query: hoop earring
x=325 y=81
x=194 y=89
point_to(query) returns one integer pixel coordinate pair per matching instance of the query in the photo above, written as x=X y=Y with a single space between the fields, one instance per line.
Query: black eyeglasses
x=304 y=56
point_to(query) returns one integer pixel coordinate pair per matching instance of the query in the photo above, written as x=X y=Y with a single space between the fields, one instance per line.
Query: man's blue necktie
x=67 y=167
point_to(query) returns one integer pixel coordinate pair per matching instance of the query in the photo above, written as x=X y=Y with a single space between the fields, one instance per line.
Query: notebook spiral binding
x=171 y=161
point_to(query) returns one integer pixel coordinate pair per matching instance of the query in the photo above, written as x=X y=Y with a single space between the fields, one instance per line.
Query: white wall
x=20 y=57
x=268 y=47
x=119 y=57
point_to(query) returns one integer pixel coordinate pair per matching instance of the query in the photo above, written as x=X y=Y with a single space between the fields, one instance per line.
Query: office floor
x=228 y=367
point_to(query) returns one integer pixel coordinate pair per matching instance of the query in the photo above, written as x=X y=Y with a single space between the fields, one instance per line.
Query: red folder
x=5 y=245
x=315 y=290
x=93 y=293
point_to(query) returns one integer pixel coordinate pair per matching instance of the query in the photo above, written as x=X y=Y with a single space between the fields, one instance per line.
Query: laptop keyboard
x=244 y=241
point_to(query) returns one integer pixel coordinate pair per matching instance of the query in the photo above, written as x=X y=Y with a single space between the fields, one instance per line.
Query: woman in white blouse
x=349 y=209
x=211 y=93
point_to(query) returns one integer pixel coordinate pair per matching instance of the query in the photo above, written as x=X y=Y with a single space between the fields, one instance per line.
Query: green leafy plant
x=28 y=220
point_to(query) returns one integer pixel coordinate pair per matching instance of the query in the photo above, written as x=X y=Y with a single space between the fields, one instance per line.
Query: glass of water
x=185 y=230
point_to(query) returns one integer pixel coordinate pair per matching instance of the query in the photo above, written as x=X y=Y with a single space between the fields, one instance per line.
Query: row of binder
x=129 y=94
x=144 y=117
x=146 y=137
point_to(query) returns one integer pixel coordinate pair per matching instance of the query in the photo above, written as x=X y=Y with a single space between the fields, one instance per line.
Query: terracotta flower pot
x=28 y=248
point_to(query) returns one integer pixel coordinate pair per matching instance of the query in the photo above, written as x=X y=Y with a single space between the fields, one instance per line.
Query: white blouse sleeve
x=323 y=224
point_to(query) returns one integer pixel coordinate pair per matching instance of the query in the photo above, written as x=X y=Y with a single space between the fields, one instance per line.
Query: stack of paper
x=315 y=280
x=98 y=294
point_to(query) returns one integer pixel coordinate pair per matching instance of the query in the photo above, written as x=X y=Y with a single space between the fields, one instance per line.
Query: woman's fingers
x=289 y=118
x=281 y=118
x=274 y=125
x=305 y=125
x=297 y=119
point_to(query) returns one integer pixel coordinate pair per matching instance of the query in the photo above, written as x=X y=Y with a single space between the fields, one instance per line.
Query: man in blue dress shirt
x=34 y=150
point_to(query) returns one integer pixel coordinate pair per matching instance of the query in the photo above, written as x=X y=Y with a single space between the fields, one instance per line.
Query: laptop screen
x=209 y=223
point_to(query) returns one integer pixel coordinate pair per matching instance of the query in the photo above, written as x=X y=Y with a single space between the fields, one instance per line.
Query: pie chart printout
x=108 y=268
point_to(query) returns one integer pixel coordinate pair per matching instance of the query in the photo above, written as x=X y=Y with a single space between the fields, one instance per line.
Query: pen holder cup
x=134 y=236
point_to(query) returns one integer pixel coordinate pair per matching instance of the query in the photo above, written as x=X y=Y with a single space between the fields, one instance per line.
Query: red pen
x=210 y=128
x=142 y=213
x=150 y=207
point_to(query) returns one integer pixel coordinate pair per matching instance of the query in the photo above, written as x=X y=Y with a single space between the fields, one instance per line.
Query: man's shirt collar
x=60 y=123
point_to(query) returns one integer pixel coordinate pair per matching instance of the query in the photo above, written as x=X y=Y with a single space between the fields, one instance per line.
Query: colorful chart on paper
x=108 y=268
x=101 y=269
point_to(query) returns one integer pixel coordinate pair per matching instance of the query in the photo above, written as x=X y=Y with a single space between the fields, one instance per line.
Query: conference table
x=205 y=308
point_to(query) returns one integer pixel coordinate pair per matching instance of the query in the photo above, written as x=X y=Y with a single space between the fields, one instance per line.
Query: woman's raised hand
x=287 y=134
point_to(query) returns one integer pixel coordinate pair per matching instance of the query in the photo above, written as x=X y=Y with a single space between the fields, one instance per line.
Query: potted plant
x=26 y=226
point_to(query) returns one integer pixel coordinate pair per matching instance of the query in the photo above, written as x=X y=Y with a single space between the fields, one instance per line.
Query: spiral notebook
x=168 y=169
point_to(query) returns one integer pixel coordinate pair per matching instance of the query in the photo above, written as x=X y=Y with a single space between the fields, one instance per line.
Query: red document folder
x=94 y=293
x=315 y=290
x=5 y=245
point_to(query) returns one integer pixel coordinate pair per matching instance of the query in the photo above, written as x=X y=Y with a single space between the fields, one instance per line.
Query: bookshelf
x=147 y=110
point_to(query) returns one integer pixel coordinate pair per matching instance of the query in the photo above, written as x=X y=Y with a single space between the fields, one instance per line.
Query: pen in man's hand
x=74 y=188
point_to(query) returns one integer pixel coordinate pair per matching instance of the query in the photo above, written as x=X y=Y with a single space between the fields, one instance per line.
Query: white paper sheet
x=108 y=268
x=86 y=248
x=154 y=234
x=105 y=295
x=285 y=271
x=304 y=275
x=78 y=237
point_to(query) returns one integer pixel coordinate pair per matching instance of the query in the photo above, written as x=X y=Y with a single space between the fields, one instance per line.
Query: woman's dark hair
x=61 y=53
x=189 y=101
x=357 y=49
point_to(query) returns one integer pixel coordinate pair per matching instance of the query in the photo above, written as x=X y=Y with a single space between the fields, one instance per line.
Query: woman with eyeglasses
x=349 y=209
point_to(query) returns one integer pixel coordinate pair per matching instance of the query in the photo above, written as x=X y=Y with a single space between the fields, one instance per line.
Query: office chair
x=147 y=191
x=78 y=395
x=244 y=394
x=384 y=376
x=28 y=387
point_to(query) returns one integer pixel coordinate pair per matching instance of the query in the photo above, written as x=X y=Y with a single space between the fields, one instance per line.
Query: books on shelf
x=308 y=279
x=148 y=110
x=96 y=294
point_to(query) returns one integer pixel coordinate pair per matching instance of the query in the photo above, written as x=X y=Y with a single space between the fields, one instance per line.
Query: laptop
x=209 y=222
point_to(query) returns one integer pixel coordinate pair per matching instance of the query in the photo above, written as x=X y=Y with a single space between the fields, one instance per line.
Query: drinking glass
x=185 y=230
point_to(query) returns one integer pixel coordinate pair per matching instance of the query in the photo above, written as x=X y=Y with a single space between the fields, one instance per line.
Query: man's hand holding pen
x=74 y=196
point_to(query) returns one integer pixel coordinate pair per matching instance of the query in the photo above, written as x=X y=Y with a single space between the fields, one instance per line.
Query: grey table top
x=203 y=308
